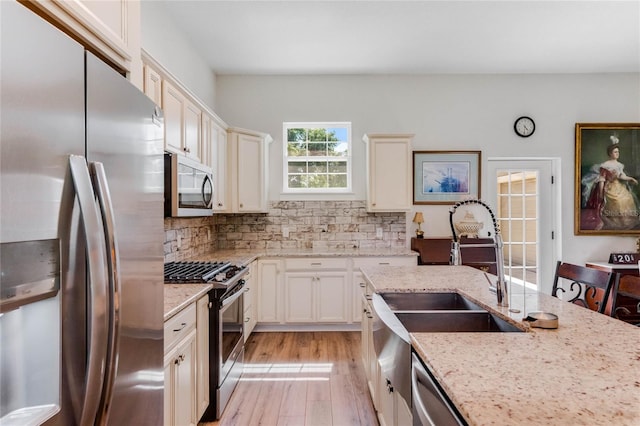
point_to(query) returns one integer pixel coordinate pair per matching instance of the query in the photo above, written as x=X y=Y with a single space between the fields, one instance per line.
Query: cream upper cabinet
x=153 y=84
x=220 y=148
x=111 y=28
x=249 y=174
x=389 y=172
x=192 y=130
x=173 y=107
x=215 y=155
x=182 y=122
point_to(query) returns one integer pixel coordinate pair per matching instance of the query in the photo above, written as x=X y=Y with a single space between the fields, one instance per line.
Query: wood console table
x=436 y=251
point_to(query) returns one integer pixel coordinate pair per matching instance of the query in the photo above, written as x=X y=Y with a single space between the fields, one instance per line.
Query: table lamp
x=419 y=219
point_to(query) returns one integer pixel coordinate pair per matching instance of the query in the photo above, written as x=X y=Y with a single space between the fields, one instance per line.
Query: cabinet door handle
x=219 y=204
x=247 y=319
x=182 y=326
x=362 y=285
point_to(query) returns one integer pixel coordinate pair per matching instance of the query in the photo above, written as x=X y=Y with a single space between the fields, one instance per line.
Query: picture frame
x=445 y=177
x=607 y=184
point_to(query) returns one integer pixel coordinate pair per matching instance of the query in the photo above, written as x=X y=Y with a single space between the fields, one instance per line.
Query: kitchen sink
x=428 y=301
x=454 y=321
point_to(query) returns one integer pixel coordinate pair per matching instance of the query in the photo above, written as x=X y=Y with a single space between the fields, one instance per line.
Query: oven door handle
x=235 y=296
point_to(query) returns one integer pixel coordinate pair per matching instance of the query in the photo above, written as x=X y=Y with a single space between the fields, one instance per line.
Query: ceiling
x=412 y=37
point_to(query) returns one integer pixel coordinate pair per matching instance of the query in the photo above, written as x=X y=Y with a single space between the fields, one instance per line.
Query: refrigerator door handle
x=113 y=261
x=98 y=321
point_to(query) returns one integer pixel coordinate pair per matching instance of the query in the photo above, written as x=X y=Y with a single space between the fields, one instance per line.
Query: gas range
x=224 y=274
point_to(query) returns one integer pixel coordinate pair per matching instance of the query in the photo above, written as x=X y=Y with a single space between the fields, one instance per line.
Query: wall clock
x=524 y=126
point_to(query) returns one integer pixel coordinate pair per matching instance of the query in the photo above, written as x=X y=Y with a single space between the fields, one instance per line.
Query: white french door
x=525 y=194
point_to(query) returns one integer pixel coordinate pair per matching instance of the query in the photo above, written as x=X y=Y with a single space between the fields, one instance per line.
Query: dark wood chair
x=626 y=299
x=583 y=286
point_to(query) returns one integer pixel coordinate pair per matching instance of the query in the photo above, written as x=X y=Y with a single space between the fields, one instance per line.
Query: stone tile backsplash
x=287 y=225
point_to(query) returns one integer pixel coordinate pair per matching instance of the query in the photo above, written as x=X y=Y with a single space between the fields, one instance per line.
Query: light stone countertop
x=586 y=372
x=179 y=296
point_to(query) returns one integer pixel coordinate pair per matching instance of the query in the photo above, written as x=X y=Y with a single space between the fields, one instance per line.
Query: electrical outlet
x=179 y=241
x=208 y=234
x=285 y=232
x=378 y=232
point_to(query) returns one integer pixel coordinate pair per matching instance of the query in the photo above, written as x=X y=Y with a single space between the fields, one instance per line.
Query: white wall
x=168 y=45
x=446 y=112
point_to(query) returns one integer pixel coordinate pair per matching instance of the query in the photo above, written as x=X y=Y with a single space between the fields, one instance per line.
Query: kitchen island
x=585 y=372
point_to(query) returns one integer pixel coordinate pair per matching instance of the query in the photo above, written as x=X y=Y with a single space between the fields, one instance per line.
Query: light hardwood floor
x=301 y=379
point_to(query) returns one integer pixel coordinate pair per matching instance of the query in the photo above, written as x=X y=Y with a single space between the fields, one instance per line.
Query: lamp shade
x=418 y=218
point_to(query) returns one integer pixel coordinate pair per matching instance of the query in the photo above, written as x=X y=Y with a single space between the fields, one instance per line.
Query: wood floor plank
x=318 y=413
x=301 y=379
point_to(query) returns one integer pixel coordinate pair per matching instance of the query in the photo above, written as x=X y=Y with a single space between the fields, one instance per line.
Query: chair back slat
x=583 y=286
x=626 y=298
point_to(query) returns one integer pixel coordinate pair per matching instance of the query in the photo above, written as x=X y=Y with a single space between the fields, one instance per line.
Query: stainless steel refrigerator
x=81 y=235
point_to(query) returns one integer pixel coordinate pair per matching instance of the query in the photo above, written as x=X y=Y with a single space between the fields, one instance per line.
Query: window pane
x=296 y=135
x=317 y=135
x=338 y=149
x=317 y=167
x=337 y=167
x=297 y=149
x=337 y=134
x=318 y=149
x=317 y=181
x=297 y=167
x=297 y=181
x=338 y=181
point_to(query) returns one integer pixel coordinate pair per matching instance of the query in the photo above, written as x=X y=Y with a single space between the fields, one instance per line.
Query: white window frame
x=285 y=157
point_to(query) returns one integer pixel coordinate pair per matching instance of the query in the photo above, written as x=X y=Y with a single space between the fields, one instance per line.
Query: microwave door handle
x=207 y=199
x=113 y=261
x=98 y=321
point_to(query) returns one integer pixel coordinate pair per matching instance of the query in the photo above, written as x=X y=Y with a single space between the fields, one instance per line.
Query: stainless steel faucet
x=456 y=257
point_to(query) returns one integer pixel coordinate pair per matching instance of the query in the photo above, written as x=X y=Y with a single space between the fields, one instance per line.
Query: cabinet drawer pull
x=362 y=285
x=384 y=263
x=316 y=263
x=182 y=326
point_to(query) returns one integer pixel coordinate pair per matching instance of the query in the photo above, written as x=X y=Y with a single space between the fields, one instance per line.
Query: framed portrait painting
x=445 y=177
x=607 y=172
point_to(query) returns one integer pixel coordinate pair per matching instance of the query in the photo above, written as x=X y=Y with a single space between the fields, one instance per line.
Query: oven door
x=231 y=324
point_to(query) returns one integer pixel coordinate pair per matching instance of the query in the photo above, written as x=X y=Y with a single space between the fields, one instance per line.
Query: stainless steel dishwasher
x=431 y=407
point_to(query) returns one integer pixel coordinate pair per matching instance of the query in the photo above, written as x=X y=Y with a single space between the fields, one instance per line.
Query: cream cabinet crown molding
x=265 y=136
x=79 y=20
x=149 y=60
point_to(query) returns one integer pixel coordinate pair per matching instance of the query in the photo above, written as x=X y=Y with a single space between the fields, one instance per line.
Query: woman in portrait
x=606 y=189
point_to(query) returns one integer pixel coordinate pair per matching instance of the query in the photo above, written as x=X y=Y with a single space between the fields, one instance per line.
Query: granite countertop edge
x=179 y=296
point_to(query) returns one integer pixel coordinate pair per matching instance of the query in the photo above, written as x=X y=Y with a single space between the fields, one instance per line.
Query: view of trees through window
x=317 y=156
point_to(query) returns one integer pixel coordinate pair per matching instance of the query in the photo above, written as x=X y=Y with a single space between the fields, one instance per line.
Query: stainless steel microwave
x=188 y=187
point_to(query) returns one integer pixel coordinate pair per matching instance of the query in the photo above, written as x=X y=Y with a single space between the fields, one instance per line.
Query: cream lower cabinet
x=393 y=410
x=180 y=369
x=366 y=346
x=250 y=311
x=203 y=307
x=270 y=306
x=316 y=290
